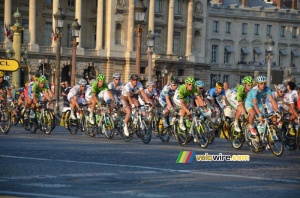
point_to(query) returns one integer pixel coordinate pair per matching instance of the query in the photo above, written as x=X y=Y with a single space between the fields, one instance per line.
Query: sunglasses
x=248 y=84
x=117 y=79
x=280 y=91
x=200 y=87
x=134 y=79
x=174 y=85
x=262 y=83
x=190 y=84
x=82 y=85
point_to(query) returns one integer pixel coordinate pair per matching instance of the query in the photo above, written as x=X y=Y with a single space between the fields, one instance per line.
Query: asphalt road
x=63 y=165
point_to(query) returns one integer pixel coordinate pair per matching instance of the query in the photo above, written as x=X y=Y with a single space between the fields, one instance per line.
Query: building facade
x=210 y=40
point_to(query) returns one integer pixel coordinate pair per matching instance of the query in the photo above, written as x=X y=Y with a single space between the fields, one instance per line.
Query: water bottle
x=31 y=114
x=296 y=127
x=261 y=129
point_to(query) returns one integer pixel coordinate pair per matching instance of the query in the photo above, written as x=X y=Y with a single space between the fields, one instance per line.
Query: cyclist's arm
x=255 y=105
x=183 y=105
x=46 y=95
x=200 y=101
x=129 y=98
x=273 y=102
x=144 y=95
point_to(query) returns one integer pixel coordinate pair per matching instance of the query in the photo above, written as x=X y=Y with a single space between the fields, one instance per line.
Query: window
x=197 y=41
x=1 y=29
x=69 y=35
x=177 y=7
x=294 y=32
x=244 y=52
x=228 y=24
x=269 y=29
x=214 y=54
x=120 y=2
x=157 y=42
x=118 y=35
x=180 y=72
x=227 y=51
x=282 y=31
x=256 y=30
x=48 y=2
x=158 y=6
x=256 y=53
x=48 y=34
x=244 y=28
x=176 y=46
x=25 y=32
x=71 y=2
x=225 y=78
x=216 y=26
x=95 y=36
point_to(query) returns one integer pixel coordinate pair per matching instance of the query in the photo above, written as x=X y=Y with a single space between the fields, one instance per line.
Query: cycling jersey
x=212 y=93
x=237 y=95
x=279 y=101
x=183 y=93
x=166 y=91
x=259 y=95
x=132 y=90
x=96 y=89
x=115 y=90
x=75 y=91
x=291 y=97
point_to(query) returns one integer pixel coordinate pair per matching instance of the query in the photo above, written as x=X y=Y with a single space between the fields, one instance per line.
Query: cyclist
x=211 y=99
x=237 y=99
x=115 y=87
x=150 y=92
x=184 y=97
x=298 y=99
x=201 y=91
x=253 y=103
x=165 y=98
x=4 y=87
x=96 y=94
x=278 y=96
x=290 y=104
x=40 y=92
x=75 y=96
x=129 y=97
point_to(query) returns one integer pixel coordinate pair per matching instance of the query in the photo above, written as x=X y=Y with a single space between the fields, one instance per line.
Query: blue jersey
x=212 y=94
x=259 y=95
x=166 y=91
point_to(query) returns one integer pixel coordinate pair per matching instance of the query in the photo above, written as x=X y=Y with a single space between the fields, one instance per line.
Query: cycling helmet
x=150 y=84
x=35 y=78
x=190 y=80
x=42 y=79
x=116 y=75
x=199 y=83
x=219 y=85
x=280 y=87
x=101 y=77
x=92 y=81
x=174 y=80
x=261 y=79
x=1 y=73
x=247 y=80
x=134 y=76
x=82 y=82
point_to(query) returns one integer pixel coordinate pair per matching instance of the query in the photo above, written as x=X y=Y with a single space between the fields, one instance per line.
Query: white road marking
x=153 y=168
x=34 y=194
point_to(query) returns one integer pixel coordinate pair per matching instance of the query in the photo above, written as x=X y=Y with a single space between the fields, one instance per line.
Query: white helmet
x=117 y=75
x=92 y=81
x=261 y=79
x=82 y=82
x=280 y=87
x=150 y=84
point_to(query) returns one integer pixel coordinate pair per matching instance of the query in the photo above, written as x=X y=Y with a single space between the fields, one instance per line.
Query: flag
x=8 y=32
x=53 y=36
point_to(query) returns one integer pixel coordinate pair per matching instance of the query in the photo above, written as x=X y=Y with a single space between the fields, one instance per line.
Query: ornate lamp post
x=9 y=53
x=269 y=44
x=150 y=43
x=59 y=17
x=75 y=33
x=17 y=29
x=139 y=12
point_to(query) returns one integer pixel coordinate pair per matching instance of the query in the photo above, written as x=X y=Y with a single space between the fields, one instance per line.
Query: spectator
x=65 y=90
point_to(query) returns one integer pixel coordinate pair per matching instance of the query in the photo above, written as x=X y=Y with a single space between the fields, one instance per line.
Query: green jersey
x=96 y=89
x=184 y=93
x=36 y=89
x=240 y=94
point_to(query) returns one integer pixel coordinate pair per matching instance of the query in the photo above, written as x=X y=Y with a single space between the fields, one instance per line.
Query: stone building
x=210 y=40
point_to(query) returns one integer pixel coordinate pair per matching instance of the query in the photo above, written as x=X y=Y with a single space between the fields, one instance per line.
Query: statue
x=198 y=8
x=287 y=76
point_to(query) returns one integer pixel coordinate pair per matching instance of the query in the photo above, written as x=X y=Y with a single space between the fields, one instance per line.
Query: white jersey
x=291 y=97
x=115 y=90
x=75 y=91
x=132 y=90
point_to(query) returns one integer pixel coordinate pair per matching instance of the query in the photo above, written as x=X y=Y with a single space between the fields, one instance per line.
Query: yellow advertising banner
x=9 y=65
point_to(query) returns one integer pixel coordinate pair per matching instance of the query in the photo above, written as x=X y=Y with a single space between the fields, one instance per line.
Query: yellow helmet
x=35 y=78
x=219 y=85
x=1 y=73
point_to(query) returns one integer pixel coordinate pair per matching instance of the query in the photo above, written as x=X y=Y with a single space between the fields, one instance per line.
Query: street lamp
x=269 y=44
x=59 y=17
x=75 y=33
x=9 y=53
x=150 y=43
x=139 y=13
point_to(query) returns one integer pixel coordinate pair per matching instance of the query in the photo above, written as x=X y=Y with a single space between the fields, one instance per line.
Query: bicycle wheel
x=181 y=136
x=275 y=143
x=209 y=126
x=252 y=144
x=46 y=122
x=73 y=125
x=131 y=131
x=33 y=125
x=237 y=138
x=108 y=127
x=162 y=131
x=289 y=141
x=225 y=129
x=201 y=135
x=146 y=132
x=5 y=122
